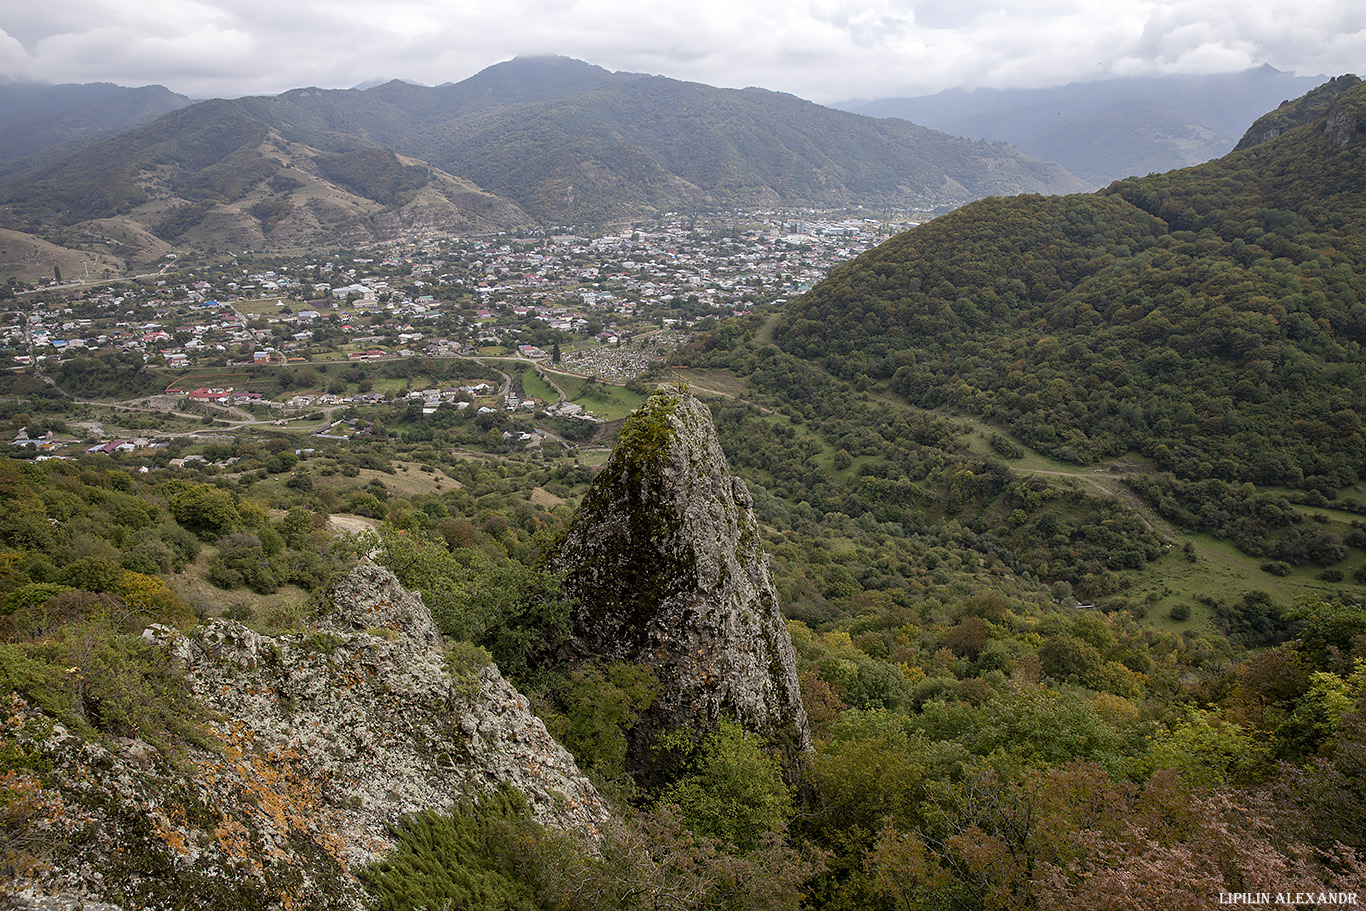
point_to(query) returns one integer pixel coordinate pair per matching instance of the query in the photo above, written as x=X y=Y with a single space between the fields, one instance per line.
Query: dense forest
x=1211 y=319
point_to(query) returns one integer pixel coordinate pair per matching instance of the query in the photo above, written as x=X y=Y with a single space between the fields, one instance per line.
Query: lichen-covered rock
x=371 y=598
x=324 y=738
x=665 y=561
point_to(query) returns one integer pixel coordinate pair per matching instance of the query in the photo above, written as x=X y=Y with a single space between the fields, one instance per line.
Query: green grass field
x=534 y=386
x=603 y=399
x=262 y=306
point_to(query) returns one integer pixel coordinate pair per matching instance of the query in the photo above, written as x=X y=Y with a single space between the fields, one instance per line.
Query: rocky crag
x=665 y=561
x=321 y=740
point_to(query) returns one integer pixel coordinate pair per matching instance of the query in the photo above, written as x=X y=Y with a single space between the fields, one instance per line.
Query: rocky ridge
x=324 y=738
x=1323 y=102
x=665 y=560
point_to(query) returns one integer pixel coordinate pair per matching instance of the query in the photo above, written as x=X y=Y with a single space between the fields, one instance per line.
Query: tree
x=150 y=595
x=652 y=862
x=1227 y=841
x=1067 y=657
x=206 y=510
x=517 y=613
x=1331 y=628
x=296 y=527
x=1207 y=751
x=731 y=791
x=597 y=707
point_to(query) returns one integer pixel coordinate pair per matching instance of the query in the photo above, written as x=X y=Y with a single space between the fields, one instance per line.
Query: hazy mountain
x=593 y=144
x=558 y=139
x=36 y=117
x=1210 y=318
x=1103 y=131
x=211 y=175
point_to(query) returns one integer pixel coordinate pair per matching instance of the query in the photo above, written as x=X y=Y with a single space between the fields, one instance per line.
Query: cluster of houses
x=43 y=442
x=344 y=429
x=673 y=272
x=673 y=260
x=571 y=410
x=105 y=323
x=441 y=296
x=459 y=398
x=46 y=443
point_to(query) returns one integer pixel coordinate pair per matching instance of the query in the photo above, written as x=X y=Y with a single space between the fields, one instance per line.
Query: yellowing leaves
x=150 y=595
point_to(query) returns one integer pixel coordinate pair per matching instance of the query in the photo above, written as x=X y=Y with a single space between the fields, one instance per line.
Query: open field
x=533 y=385
x=603 y=399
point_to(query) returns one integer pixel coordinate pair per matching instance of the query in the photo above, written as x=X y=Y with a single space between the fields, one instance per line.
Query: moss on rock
x=664 y=562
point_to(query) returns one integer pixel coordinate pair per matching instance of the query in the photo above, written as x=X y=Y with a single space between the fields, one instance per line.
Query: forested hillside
x=1210 y=319
x=63 y=118
x=588 y=143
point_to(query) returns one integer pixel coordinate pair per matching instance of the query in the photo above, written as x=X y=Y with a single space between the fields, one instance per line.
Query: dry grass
x=542 y=497
x=716 y=381
x=347 y=524
x=407 y=480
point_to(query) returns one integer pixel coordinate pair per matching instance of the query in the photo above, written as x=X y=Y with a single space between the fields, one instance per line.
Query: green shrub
x=595 y=708
x=731 y=791
x=98 y=680
x=469 y=859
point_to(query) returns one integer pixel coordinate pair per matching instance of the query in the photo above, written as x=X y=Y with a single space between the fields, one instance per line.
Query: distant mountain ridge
x=1107 y=130
x=554 y=140
x=36 y=117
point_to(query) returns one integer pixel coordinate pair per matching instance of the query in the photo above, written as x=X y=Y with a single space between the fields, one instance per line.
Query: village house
x=204 y=394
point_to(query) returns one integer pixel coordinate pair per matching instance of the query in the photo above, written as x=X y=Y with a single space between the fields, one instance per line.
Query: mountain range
x=60 y=119
x=1111 y=129
x=546 y=140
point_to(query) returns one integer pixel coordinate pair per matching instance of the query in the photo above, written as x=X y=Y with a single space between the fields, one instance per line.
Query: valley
x=769 y=557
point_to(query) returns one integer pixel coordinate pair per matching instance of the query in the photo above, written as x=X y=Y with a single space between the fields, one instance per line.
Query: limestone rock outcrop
x=665 y=561
x=324 y=738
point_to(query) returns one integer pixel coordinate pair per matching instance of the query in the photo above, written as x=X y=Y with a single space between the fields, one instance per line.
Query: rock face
x=325 y=737
x=1340 y=125
x=665 y=560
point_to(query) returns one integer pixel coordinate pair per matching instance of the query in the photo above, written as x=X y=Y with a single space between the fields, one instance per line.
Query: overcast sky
x=823 y=50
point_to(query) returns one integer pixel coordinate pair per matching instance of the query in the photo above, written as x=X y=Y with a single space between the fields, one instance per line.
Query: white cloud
x=15 y=62
x=819 y=49
x=205 y=52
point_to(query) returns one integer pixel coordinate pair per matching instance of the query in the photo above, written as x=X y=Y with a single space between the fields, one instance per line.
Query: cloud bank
x=824 y=50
